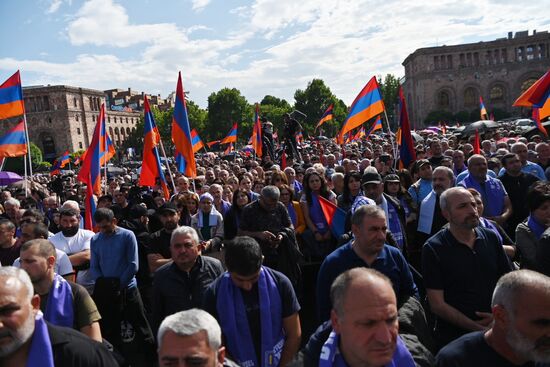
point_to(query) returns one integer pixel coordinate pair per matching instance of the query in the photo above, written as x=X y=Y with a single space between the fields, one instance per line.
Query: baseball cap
x=392 y=178
x=168 y=207
x=371 y=177
x=422 y=162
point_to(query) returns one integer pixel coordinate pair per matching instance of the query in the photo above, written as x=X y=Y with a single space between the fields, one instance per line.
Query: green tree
x=435 y=117
x=313 y=101
x=462 y=116
x=224 y=108
x=500 y=114
x=274 y=101
x=275 y=114
x=389 y=87
x=16 y=164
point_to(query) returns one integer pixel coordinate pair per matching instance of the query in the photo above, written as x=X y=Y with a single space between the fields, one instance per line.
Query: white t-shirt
x=72 y=245
x=62 y=266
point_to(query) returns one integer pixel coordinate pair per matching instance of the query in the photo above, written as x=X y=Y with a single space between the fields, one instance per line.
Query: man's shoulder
x=84 y=233
x=339 y=254
x=468 y=350
x=439 y=239
x=209 y=262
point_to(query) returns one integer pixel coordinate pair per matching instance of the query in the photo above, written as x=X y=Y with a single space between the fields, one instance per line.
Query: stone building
x=63 y=118
x=452 y=78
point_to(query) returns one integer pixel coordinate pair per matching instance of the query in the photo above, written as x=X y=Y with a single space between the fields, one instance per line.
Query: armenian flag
x=335 y=217
x=376 y=126
x=360 y=133
x=483 y=110
x=229 y=149
x=151 y=170
x=257 y=133
x=11 y=97
x=14 y=142
x=60 y=163
x=367 y=105
x=181 y=134
x=327 y=116
x=536 y=118
x=538 y=95
x=213 y=143
x=407 y=154
x=231 y=136
x=477 y=144
x=196 y=141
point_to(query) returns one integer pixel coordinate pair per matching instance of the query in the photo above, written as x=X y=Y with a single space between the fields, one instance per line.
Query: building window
x=78 y=130
x=75 y=104
x=519 y=54
x=109 y=119
x=49 y=120
x=76 y=118
x=449 y=61
x=530 y=52
x=436 y=62
x=476 y=58
x=46 y=103
x=79 y=145
x=128 y=131
x=526 y=84
x=91 y=103
x=462 y=60
x=126 y=119
x=443 y=100
x=503 y=56
x=496 y=94
x=470 y=97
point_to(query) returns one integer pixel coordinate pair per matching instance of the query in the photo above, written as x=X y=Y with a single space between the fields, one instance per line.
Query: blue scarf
x=59 y=309
x=487 y=224
x=393 y=222
x=316 y=214
x=234 y=322
x=426 y=215
x=40 y=352
x=492 y=195
x=331 y=356
x=292 y=213
x=537 y=228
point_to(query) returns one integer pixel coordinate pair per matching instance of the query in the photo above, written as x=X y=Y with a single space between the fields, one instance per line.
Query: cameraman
x=267 y=137
x=291 y=128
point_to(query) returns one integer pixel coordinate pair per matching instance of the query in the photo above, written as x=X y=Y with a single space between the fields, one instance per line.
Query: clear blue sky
x=260 y=46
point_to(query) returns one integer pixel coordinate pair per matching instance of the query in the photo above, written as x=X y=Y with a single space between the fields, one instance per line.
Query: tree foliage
x=389 y=87
x=274 y=101
x=224 y=108
x=313 y=101
x=16 y=164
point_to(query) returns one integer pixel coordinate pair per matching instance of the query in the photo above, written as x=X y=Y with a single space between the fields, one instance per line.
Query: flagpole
x=167 y=165
x=26 y=177
x=394 y=147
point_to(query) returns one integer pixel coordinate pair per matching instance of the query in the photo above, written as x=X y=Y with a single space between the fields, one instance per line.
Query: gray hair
x=510 y=285
x=190 y=322
x=21 y=275
x=337 y=175
x=271 y=192
x=13 y=202
x=342 y=283
x=70 y=204
x=187 y=231
x=515 y=147
x=370 y=169
x=372 y=211
x=444 y=199
x=476 y=156
x=447 y=170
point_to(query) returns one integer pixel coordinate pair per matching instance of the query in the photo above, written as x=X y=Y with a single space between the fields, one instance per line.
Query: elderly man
x=461 y=265
x=364 y=329
x=222 y=206
x=367 y=249
x=520 y=333
x=294 y=184
x=256 y=307
x=191 y=337
x=526 y=166
x=9 y=246
x=27 y=340
x=498 y=206
x=63 y=303
x=180 y=284
x=11 y=207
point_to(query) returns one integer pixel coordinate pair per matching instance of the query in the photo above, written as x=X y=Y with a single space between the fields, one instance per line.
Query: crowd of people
x=442 y=263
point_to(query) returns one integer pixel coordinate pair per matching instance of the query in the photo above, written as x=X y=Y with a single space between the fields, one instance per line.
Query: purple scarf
x=487 y=224
x=331 y=356
x=292 y=213
x=535 y=226
x=492 y=194
x=234 y=322
x=316 y=214
x=59 y=309
x=40 y=352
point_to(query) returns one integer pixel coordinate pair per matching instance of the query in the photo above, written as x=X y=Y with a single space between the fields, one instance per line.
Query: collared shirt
x=420 y=190
x=389 y=262
x=530 y=167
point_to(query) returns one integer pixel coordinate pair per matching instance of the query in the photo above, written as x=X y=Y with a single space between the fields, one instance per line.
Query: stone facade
x=63 y=118
x=452 y=78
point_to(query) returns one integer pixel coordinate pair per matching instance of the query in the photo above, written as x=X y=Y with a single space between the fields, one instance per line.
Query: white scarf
x=426 y=216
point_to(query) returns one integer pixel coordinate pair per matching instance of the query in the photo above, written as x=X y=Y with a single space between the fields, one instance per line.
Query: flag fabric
x=335 y=217
x=407 y=154
x=231 y=136
x=360 y=133
x=257 y=133
x=492 y=116
x=196 y=141
x=77 y=161
x=537 y=96
x=11 y=97
x=89 y=205
x=327 y=116
x=229 y=149
x=477 y=144
x=106 y=146
x=213 y=143
x=376 y=126
x=536 y=118
x=14 y=142
x=90 y=172
x=181 y=134
x=367 y=105
x=60 y=163
x=151 y=169
x=482 y=109
x=283 y=161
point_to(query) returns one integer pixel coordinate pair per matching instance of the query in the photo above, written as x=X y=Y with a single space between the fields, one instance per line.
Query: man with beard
x=27 y=340
x=520 y=335
x=75 y=242
x=159 y=242
x=461 y=265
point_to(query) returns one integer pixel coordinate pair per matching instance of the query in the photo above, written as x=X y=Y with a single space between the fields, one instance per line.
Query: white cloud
x=199 y=5
x=54 y=6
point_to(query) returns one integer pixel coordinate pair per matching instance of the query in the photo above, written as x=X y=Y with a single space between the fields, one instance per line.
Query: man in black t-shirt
x=520 y=333
x=267 y=300
x=159 y=242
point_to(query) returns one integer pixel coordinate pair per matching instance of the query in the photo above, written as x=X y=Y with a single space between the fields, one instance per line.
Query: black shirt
x=159 y=243
x=466 y=276
x=175 y=290
x=472 y=350
x=517 y=187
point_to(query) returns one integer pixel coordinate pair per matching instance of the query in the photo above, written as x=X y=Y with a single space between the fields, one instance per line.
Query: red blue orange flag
x=196 y=141
x=327 y=116
x=536 y=118
x=299 y=137
x=367 y=105
x=231 y=136
x=59 y=163
x=335 y=217
x=91 y=166
x=11 y=97
x=376 y=126
x=213 y=143
x=360 y=133
x=482 y=109
x=151 y=170
x=181 y=134
x=14 y=142
x=407 y=153
x=229 y=149
x=538 y=95
x=257 y=133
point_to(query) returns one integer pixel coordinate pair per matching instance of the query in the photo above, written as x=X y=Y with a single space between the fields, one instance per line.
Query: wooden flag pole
x=394 y=148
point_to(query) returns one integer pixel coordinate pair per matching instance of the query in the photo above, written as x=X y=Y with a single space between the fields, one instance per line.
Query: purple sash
x=487 y=224
x=59 y=309
x=234 y=322
x=395 y=225
x=537 y=228
x=40 y=352
x=492 y=194
x=292 y=213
